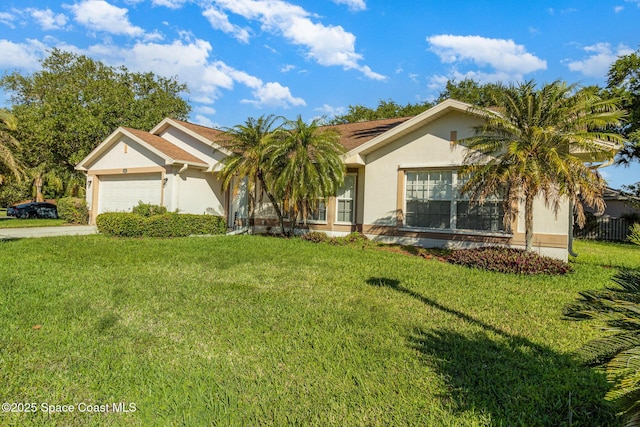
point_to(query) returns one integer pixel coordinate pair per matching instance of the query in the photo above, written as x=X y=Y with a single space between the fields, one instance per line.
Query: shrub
x=356 y=238
x=73 y=210
x=508 y=260
x=124 y=224
x=315 y=237
x=148 y=209
x=121 y=224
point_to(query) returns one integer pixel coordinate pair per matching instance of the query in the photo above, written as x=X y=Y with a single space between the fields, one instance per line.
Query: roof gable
x=170 y=153
x=211 y=137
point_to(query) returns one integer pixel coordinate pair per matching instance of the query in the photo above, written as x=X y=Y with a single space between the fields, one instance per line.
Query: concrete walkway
x=64 y=230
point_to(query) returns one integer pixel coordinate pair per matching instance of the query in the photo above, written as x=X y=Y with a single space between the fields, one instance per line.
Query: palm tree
x=527 y=147
x=307 y=167
x=8 y=124
x=247 y=143
x=616 y=309
x=42 y=176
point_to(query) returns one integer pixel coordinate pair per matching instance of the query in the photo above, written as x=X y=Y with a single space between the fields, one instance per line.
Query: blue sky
x=243 y=58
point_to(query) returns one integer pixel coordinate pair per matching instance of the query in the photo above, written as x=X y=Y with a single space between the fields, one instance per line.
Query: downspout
x=570 y=246
x=183 y=168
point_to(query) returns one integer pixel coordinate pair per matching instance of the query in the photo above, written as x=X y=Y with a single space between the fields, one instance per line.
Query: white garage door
x=119 y=193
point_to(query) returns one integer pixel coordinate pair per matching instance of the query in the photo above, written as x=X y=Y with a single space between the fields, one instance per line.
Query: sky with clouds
x=243 y=58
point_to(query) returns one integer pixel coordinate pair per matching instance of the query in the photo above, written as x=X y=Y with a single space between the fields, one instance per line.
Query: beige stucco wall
x=192 y=145
x=126 y=153
x=194 y=191
x=428 y=147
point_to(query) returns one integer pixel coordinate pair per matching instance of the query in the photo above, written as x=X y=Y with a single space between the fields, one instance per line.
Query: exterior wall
x=616 y=209
x=430 y=148
x=192 y=145
x=197 y=192
x=125 y=154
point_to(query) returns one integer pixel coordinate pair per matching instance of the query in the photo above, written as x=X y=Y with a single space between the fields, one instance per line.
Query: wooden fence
x=612 y=229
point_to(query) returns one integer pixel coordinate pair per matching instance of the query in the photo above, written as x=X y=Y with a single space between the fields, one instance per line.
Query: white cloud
x=636 y=2
x=47 y=19
x=504 y=56
x=327 y=45
x=7 y=19
x=199 y=119
x=354 y=5
x=600 y=58
x=21 y=55
x=618 y=9
x=330 y=111
x=189 y=60
x=101 y=16
x=171 y=4
x=273 y=94
x=220 y=21
x=287 y=68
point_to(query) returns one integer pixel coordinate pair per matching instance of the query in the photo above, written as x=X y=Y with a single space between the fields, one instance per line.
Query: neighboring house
x=618 y=205
x=401 y=184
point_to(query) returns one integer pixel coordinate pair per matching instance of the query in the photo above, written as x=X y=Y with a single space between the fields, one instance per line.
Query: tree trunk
x=273 y=201
x=38 y=184
x=528 y=222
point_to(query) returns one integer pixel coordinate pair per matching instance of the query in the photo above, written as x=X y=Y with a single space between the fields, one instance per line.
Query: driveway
x=64 y=230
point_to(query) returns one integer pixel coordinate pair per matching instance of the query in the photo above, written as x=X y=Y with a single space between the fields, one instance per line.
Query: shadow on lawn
x=510 y=378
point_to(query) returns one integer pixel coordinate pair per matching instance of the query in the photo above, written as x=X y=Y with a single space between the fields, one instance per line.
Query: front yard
x=251 y=330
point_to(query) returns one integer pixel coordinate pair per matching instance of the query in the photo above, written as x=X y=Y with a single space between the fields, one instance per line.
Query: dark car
x=33 y=210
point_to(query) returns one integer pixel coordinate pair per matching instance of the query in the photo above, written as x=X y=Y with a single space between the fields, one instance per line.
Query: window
x=486 y=217
x=345 y=199
x=320 y=214
x=429 y=199
x=433 y=201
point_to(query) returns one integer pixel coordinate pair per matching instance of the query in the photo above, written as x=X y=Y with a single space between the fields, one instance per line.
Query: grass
x=30 y=223
x=249 y=330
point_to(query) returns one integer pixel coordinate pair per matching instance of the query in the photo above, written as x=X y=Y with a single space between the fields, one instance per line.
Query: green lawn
x=29 y=223
x=256 y=331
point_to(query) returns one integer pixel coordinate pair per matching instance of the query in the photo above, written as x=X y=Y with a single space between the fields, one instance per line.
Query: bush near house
x=125 y=224
x=147 y=209
x=73 y=210
x=508 y=260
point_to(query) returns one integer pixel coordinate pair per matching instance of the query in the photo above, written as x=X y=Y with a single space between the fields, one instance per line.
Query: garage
x=119 y=193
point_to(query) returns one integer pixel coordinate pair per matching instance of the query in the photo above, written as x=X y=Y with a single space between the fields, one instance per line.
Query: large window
x=345 y=199
x=433 y=201
x=429 y=197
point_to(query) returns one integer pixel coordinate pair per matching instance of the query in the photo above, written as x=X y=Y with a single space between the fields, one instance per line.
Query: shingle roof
x=214 y=135
x=172 y=151
x=353 y=135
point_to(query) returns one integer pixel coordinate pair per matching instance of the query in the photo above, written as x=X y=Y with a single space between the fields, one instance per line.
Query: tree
x=624 y=81
x=42 y=175
x=75 y=102
x=385 y=110
x=469 y=91
x=527 y=149
x=247 y=143
x=616 y=310
x=306 y=167
x=8 y=144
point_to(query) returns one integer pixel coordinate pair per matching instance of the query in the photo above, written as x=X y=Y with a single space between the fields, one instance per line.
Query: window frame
x=455 y=197
x=353 y=201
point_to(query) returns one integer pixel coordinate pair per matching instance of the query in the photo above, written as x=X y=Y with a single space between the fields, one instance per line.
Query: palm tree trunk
x=528 y=221
x=273 y=201
x=39 y=183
